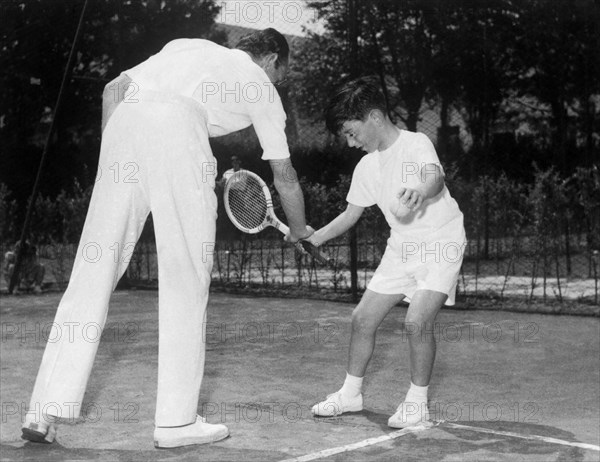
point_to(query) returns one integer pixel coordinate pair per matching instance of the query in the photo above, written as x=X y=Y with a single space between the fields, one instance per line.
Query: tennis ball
x=399 y=209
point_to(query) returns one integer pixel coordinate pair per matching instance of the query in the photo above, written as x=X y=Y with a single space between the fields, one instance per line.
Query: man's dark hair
x=354 y=100
x=263 y=42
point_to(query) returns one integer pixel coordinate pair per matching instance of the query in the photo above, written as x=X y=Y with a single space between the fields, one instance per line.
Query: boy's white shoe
x=39 y=429
x=199 y=432
x=337 y=404
x=409 y=414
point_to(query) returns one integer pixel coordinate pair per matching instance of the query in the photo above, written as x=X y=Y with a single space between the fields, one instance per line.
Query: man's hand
x=292 y=238
x=410 y=198
x=315 y=239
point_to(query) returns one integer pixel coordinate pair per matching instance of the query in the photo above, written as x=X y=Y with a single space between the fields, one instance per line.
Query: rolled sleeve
x=268 y=119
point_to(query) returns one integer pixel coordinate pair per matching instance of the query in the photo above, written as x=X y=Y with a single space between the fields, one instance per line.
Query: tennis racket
x=249 y=206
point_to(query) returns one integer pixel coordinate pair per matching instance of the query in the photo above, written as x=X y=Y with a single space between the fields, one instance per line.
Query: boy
x=402 y=175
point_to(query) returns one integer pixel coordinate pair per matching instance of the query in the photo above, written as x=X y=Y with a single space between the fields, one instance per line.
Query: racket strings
x=247 y=202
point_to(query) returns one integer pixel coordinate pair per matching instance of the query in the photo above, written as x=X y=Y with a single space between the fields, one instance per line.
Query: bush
x=514 y=229
x=8 y=216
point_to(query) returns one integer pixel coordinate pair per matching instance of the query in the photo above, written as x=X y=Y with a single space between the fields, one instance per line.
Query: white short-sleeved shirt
x=379 y=176
x=233 y=89
x=425 y=248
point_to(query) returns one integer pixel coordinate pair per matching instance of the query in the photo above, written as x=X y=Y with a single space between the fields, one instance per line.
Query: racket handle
x=306 y=247
x=314 y=252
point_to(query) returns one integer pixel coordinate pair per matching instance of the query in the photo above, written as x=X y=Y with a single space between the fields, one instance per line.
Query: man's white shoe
x=38 y=428
x=409 y=415
x=337 y=404
x=199 y=432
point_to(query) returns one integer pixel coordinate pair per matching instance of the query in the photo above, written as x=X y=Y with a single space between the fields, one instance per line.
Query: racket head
x=248 y=201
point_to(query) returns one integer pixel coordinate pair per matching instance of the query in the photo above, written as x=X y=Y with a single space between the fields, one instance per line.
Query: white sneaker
x=199 y=432
x=336 y=404
x=409 y=415
x=39 y=429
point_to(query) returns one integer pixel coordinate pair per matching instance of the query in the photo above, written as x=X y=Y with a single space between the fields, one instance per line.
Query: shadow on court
x=505 y=385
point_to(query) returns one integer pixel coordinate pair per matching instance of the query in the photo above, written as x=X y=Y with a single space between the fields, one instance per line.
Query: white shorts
x=427 y=265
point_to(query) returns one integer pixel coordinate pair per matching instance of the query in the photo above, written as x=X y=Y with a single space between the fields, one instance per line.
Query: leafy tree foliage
x=36 y=41
x=559 y=64
x=529 y=68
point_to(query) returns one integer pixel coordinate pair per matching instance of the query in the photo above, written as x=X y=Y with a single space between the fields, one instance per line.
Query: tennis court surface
x=506 y=386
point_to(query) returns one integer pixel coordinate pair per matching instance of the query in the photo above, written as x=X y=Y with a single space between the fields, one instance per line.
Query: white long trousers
x=155 y=157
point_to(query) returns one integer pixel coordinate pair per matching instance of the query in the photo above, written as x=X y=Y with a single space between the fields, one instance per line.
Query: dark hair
x=354 y=100
x=263 y=42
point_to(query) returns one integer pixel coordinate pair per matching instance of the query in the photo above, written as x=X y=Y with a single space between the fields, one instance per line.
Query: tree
x=320 y=62
x=506 y=66
x=37 y=38
x=394 y=43
x=427 y=54
x=484 y=46
x=559 y=66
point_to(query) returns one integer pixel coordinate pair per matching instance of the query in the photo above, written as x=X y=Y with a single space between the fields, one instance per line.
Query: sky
x=287 y=16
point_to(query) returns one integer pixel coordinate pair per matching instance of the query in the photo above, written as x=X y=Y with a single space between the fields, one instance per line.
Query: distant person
x=157 y=118
x=31 y=272
x=236 y=166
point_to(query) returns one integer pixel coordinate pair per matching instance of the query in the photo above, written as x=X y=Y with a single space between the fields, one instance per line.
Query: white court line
x=352 y=447
x=397 y=434
x=545 y=439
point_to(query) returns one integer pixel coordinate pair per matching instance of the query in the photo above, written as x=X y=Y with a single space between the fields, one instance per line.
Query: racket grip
x=314 y=252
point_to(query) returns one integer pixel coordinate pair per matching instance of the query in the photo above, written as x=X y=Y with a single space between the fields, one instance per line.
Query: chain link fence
x=524 y=248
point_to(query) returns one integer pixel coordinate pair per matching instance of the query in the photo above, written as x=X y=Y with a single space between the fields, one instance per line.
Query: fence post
x=353 y=42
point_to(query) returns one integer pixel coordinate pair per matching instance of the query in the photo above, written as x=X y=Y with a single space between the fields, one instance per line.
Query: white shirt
x=379 y=175
x=233 y=89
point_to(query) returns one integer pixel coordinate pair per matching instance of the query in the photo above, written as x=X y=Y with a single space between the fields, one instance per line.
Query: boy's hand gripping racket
x=249 y=205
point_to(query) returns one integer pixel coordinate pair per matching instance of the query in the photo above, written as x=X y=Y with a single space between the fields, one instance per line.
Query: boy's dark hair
x=263 y=42
x=354 y=100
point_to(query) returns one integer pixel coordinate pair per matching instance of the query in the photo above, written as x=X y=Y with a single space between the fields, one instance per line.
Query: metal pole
x=353 y=42
x=36 y=186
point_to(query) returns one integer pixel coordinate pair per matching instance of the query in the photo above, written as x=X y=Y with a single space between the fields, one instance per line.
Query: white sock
x=416 y=394
x=352 y=386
